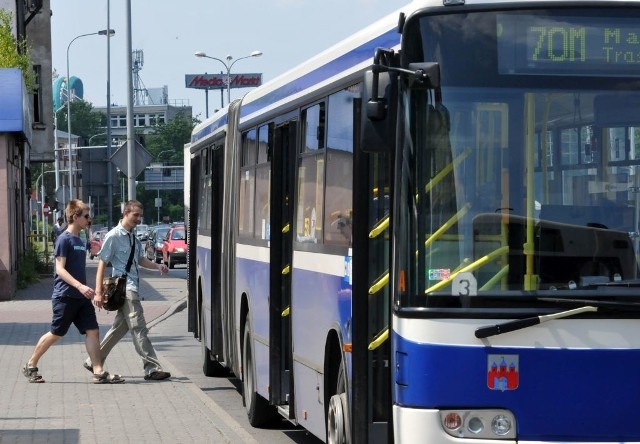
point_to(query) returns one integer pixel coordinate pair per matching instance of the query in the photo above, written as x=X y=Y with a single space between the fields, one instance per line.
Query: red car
x=96 y=243
x=174 y=247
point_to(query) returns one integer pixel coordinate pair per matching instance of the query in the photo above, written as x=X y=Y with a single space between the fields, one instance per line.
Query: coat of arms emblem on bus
x=503 y=372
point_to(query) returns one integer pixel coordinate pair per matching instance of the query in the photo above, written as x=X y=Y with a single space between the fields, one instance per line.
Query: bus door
x=283 y=155
x=192 y=219
x=371 y=372
x=215 y=199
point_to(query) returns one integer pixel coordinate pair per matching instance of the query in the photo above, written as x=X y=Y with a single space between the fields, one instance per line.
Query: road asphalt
x=68 y=408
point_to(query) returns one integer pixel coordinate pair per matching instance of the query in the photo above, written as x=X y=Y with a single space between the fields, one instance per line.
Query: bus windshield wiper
x=518 y=324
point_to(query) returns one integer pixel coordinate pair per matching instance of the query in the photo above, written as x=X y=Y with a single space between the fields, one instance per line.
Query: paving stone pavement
x=68 y=408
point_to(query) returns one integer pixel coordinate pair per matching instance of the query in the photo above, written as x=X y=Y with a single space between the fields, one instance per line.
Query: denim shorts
x=67 y=311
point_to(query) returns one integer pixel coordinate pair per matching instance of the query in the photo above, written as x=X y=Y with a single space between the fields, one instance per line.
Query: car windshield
x=178 y=234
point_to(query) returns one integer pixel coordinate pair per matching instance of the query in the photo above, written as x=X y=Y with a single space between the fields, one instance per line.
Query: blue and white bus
x=429 y=232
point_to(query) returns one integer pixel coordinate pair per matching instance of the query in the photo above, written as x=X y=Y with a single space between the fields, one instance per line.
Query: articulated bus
x=429 y=233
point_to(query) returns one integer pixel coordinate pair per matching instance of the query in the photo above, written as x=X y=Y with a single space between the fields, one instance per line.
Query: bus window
x=338 y=199
x=247 y=183
x=261 y=228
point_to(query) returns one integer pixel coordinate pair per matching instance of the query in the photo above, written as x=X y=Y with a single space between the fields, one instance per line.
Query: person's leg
x=45 y=341
x=140 y=333
x=63 y=314
x=92 y=343
x=117 y=331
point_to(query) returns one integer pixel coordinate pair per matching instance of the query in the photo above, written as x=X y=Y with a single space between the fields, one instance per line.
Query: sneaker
x=157 y=376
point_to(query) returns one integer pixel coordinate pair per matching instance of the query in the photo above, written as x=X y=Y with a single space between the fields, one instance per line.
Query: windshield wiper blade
x=614 y=305
x=518 y=324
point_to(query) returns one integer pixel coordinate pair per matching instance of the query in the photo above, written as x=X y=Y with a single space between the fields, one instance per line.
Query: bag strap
x=130 y=261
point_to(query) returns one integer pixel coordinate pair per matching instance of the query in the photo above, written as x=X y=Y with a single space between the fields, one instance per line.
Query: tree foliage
x=84 y=121
x=15 y=53
x=170 y=136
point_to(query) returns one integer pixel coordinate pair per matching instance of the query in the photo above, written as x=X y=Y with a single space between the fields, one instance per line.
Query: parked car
x=174 y=247
x=153 y=246
x=142 y=232
x=95 y=243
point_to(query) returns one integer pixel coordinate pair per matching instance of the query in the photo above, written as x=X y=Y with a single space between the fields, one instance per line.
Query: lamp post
x=108 y=33
x=228 y=65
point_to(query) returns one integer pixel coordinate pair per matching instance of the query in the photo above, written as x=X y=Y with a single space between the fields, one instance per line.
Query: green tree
x=84 y=121
x=170 y=136
x=15 y=53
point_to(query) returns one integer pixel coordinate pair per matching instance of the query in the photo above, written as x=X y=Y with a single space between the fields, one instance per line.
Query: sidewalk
x=68 y=408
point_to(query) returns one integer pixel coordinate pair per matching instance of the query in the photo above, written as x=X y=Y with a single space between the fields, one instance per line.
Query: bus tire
x=338 y=419
x=259 y=412
x=210 y=367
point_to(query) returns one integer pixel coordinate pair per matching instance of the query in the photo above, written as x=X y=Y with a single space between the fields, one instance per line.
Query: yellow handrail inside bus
x=379 y=339
x=440 y=231
x=379 y=283
x=382 y=225
x=471 y=267
x=496 y=278
x=286 y=270
x=446 y=170
x=286 y=312
x=286 y=229
x=530 y=279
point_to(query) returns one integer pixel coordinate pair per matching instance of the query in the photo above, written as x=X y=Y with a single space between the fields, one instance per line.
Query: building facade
x=26 y=135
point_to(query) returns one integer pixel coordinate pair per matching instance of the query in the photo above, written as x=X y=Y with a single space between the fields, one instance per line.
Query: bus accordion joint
x=286 y=229
x=382 y=225
x=286 y=312
x=286 y=270
x=379 y=339
x=379 y=283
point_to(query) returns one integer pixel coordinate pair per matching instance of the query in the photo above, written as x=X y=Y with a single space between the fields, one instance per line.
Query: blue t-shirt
x=74 y=250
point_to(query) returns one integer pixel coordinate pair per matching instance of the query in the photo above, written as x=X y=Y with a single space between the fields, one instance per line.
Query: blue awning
x=14 y=103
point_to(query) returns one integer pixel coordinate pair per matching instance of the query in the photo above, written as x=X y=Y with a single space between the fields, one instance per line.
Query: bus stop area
x=68 y=408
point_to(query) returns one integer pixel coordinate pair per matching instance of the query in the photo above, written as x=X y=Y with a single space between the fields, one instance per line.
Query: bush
x=31 y=266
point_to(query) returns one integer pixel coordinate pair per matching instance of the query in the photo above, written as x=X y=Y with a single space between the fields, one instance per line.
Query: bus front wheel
x=338 y=419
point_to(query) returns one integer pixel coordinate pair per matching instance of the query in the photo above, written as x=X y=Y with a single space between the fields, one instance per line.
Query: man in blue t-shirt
x=72 y=298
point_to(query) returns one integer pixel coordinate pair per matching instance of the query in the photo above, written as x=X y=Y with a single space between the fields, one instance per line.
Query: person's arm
x=98 y=299
x=146 y=263
x=85 y=290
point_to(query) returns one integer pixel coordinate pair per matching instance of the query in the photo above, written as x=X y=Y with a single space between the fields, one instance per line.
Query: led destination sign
x=573 y=46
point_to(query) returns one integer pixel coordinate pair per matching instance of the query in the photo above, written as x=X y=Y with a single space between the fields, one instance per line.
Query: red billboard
x=219 y=81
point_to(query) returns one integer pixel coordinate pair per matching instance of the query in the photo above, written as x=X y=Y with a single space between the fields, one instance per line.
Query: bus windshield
x=520 y=176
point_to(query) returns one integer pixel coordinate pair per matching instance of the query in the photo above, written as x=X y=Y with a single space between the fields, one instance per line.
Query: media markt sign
x=142 y=159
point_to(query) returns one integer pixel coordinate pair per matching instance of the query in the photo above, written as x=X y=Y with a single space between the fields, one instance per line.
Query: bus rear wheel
x=259 y=412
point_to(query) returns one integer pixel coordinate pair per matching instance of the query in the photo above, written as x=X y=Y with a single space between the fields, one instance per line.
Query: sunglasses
x=86 y=216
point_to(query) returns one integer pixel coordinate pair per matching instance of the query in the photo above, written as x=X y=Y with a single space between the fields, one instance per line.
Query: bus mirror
x=378 y=122
x=427 y=73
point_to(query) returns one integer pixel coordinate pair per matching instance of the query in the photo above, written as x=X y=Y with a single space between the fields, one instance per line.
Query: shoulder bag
x=115 y=287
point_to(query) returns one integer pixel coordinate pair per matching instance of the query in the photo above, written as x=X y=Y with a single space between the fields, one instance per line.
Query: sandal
x=31 y=373
x=107 y=378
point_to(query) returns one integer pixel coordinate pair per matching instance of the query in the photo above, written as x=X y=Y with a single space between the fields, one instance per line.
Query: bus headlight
x=482 y=424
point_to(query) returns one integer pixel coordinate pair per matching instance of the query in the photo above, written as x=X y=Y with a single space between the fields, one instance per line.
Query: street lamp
x=108 y=33
x=228 y=65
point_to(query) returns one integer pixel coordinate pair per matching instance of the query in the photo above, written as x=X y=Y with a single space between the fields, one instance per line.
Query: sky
x=168 y=32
